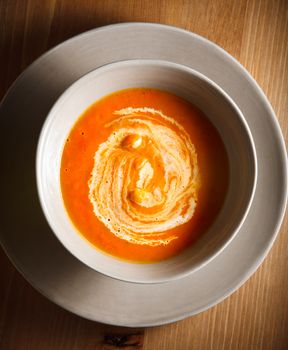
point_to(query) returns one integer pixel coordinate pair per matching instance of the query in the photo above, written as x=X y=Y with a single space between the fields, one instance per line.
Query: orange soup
x=144 y=173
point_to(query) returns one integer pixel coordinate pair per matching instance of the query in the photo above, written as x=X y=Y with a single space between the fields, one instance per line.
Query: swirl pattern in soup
x=145 y=177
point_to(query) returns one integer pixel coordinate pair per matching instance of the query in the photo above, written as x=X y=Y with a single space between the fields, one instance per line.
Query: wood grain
x=253 y=31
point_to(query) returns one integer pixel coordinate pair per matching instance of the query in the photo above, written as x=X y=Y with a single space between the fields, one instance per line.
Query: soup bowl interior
x=188 y=84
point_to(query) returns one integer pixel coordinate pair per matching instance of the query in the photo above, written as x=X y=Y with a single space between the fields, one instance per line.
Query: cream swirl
x=145 y=177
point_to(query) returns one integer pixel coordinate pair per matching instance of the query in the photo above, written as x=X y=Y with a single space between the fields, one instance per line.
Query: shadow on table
x=46 y=26
x=29 y=318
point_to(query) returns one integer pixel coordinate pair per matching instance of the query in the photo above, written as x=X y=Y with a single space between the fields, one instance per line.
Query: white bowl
x=180 y=80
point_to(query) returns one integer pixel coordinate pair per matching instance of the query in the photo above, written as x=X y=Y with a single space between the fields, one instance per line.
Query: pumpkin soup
x=143 y=174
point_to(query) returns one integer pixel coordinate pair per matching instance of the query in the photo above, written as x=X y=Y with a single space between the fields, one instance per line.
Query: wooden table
x=256 y=33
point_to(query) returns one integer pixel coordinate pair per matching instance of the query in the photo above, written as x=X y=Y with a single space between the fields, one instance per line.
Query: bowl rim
x=41 y=143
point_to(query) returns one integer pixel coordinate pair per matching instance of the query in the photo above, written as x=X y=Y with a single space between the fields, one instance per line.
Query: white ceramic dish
x=25 y=234
x=187 y=83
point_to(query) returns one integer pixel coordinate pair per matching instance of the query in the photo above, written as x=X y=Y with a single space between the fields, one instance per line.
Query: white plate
x=26 y=236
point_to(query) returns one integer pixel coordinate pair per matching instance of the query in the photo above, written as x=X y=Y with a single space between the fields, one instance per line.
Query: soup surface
x=143 y=174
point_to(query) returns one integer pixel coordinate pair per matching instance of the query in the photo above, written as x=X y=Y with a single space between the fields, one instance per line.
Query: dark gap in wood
x=124 y=340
